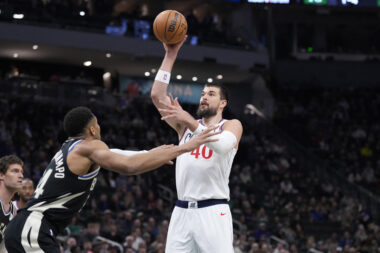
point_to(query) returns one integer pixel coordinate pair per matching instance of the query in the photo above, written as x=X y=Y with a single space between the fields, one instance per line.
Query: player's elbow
x=154 y=95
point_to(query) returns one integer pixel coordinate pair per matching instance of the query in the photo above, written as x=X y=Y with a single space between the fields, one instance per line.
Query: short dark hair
x=223 y=90
x=76 y=120
x=7 y=160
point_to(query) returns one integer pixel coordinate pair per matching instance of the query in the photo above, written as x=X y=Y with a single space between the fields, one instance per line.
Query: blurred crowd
x=341 y=125
x=206 y=22
x=278 y=205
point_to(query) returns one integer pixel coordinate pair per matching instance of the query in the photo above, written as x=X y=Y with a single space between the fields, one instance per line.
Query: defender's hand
x=201 y=138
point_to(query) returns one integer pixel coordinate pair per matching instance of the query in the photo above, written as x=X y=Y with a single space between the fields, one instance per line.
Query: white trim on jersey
x=40 y=207
x=15 y=204
x=11 y=208
x=30 y=232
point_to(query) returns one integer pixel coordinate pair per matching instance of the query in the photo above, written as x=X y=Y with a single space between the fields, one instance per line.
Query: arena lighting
x=153 y=71
x=108 y=55
x=35 y=47
x=82 y=13
x=87 y=63
x=270 y=1
x=209 y=80
x=179 y=77
x=15 y=55
x=219 y=77
x=147 y=73
x=18 y=16
x=106 y=75
x=194 y=78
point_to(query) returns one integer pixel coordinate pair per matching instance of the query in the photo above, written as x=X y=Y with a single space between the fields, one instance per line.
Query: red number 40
x=196 y=152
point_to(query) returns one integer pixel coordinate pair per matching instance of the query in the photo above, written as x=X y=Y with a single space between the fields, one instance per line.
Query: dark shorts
x=30 y=232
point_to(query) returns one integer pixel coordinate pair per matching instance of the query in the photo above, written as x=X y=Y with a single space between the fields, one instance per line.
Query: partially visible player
x=25 y=193
x=201 y=220
x=70 y=178
x=11 y=175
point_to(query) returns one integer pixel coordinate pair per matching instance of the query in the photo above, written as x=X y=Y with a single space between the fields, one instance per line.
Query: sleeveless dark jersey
x=60 y=194
x=5 y=217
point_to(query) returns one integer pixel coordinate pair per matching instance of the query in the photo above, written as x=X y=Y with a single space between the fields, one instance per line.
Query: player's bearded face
x=205 y=110
x=209 y=104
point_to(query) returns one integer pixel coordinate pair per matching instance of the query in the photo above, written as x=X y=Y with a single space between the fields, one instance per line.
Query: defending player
x=201 y=220
x=25 y=193
x=11 y=175
x=71 y=176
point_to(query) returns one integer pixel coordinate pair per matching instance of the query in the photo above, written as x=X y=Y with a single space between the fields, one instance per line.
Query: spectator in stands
x=261 y=232
x=346 y=240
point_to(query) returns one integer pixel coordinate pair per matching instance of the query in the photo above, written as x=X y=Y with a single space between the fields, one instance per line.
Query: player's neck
x=6 y=195
x=21 y=203
x=213 y=120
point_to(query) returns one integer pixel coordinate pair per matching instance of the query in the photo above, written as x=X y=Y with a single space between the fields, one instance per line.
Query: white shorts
x=200 y=230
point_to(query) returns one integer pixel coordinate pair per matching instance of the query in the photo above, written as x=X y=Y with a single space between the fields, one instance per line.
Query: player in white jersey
x=201 y=220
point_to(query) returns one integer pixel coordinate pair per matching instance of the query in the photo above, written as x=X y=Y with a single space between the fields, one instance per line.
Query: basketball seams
x=179 y=25
x=166 y=24
x=168 y=31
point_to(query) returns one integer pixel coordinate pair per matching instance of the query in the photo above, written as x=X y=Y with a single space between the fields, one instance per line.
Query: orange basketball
x=170 y=27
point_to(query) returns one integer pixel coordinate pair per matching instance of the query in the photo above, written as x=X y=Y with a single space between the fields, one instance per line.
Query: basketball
x=170 y=27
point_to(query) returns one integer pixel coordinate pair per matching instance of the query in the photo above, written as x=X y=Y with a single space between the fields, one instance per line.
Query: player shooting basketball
x=201 y=220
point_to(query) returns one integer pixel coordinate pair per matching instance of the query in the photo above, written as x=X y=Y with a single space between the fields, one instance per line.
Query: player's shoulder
x=233 y=123
x=87 y=146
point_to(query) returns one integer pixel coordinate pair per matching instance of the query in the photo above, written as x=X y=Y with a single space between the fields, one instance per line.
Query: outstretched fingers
x=208 y=133
x=172 y=102
x=209 y=129
x=168 y=114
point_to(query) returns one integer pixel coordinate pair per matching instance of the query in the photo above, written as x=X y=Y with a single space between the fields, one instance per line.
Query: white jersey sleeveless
x=203 y=174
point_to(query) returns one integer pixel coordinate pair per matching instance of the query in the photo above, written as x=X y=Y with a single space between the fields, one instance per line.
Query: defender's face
x=27 y=190
x=12 y=179
x=95 y=128
x=210 y=102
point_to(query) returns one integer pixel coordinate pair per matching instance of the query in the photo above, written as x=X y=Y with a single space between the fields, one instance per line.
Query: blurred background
x=303 y=77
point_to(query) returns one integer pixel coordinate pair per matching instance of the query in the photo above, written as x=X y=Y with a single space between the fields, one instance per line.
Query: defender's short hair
x=28 y=180
x=222 y=89
x=76 y=120
x=6 y=161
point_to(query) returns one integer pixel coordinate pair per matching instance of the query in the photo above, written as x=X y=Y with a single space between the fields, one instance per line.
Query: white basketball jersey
x=203 y=174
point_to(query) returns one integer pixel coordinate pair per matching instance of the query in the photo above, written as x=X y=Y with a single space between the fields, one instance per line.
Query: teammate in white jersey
x=201 y=220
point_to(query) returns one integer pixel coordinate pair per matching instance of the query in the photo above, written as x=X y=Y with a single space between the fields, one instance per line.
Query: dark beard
x=206 y=112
